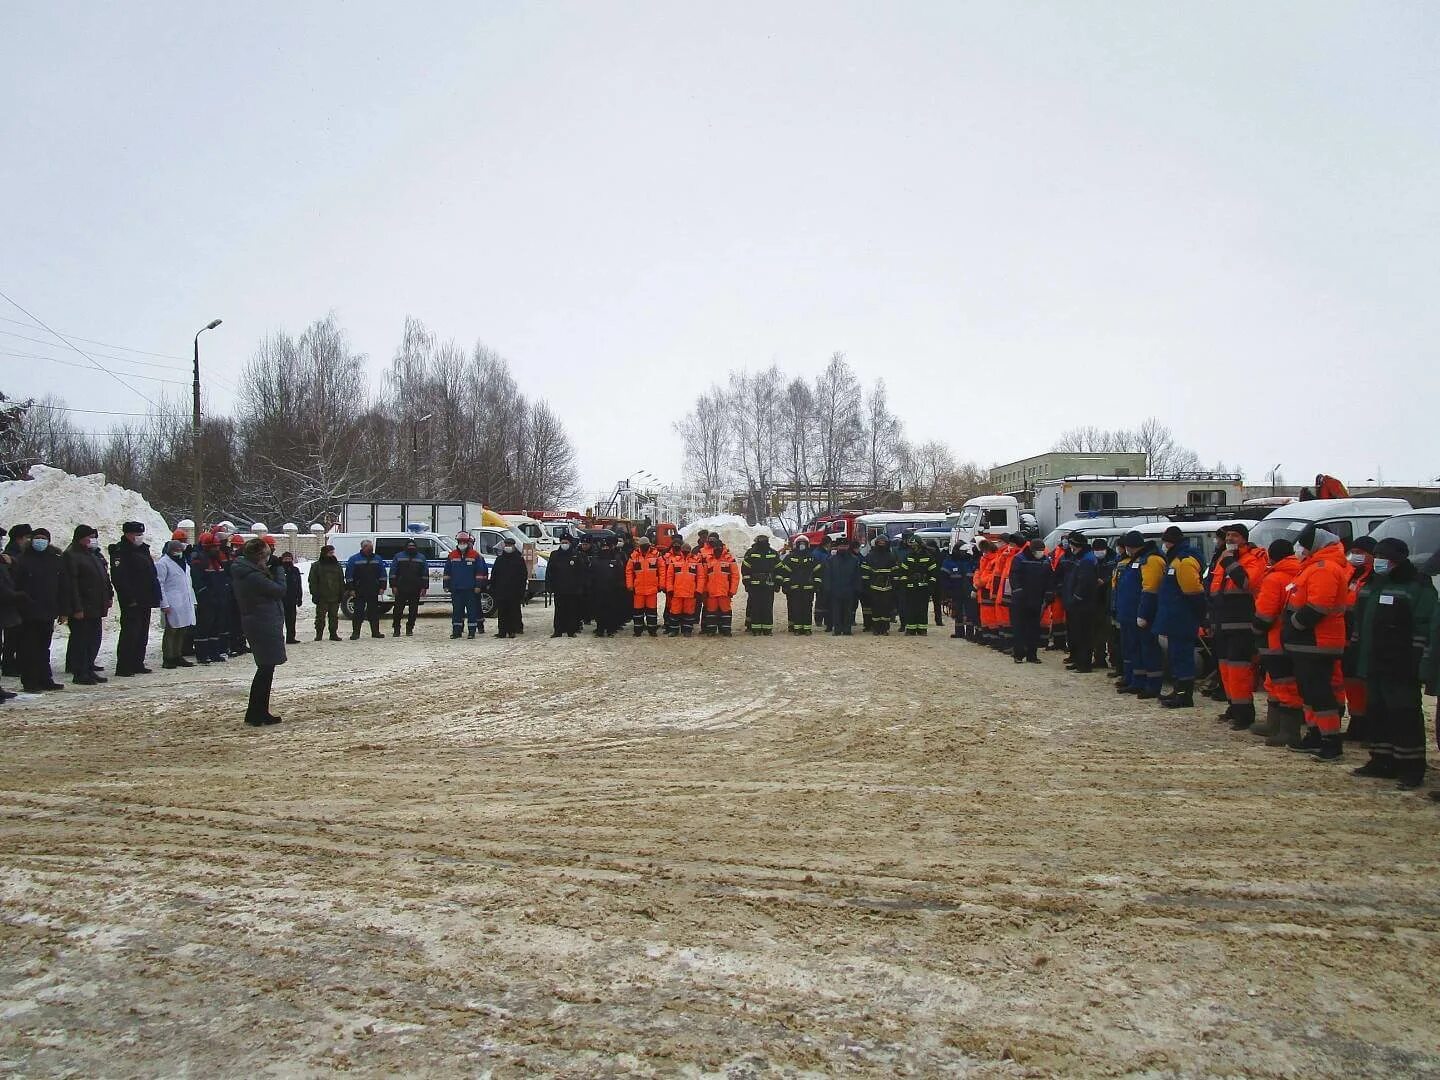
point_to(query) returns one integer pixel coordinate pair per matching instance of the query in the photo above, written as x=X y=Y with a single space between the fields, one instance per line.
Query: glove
x=1143 y=624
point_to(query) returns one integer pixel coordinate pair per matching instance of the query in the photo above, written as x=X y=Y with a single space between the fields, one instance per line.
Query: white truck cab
x=986 y=515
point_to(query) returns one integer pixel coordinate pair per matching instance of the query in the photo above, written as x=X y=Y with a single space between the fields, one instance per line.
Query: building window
x=1099 y=500
x=1208 y=497
x=1122 y=472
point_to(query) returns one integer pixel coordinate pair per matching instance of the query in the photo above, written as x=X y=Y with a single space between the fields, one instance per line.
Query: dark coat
x=841 y=575
x=607 y=574
x=90 y=577
x=327 y=580
x=1032 y=583
x=294 y=591
x=509 y=575
x=132 y=571
x=365 y=576
x=210 y=578
x=567 y=573
x=409 y=575
x=9 y=598
x=1082 y=584
x=262 y=611
x=44 y=583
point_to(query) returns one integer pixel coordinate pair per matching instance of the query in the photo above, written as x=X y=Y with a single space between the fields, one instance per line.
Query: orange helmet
x=269 y=540
x=236 y=540
x=206 y=539
x=181 y=535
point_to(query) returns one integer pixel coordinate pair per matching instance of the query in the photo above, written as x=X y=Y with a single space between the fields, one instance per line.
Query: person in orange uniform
x=719 y=580
x=1234 y=583
x=1362 y=562
x=684 y=577
x=984 y=580
x=1013 y=547
x=1313 y=631
x=1284 y=715
x=644 y=574
x=1053 y=621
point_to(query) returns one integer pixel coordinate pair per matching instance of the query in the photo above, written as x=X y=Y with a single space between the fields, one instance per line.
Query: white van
x=1420 y=529
x=869 y=526
x=1348 y=519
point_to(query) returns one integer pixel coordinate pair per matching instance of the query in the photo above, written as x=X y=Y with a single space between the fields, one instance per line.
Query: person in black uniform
x=137 y=587
x=294 y=595
x=508 y=580
x=878 y=580
x=48 y=594
x=799 y=575
x=409 y=581
x=567 y=575
x=758 y=573
x=1032 y=588
x=609 y=598
x=1080 y=596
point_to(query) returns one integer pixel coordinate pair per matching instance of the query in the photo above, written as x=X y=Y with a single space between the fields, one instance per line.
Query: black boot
x=1410 y=773
x=319 y=634
x=471 y=634
x=1183 y=697
x=1380 y=766
x=1331 y=748
x=455 y=632
x=1243 y=718
x=1307 y=743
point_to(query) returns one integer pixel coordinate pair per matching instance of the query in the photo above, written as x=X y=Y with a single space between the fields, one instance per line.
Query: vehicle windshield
x=969 y=517
x=1421 y=533
x=1271 y=529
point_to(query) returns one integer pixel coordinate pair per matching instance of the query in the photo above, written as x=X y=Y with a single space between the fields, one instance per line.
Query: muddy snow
x=745 y=858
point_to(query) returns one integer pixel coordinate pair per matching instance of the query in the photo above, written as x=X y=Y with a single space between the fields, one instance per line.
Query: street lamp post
x=1273 y=474
x=195 y=434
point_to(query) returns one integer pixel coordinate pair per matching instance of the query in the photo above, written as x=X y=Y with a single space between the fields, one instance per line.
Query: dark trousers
x=915 y=607
x=134 y=639
x=234 y=631
x=1025 y=626
x=1080 y=634
x=83 y=646
x=10 y=650
x=760 y=608
x=842 y=612
x=409 y=606
x=822 y=608
x=290 y=612
x=34 y=653
x=1397 y=719
x=1315 y=677
x=1180 y=655
x=366 y=609
x=799 y=608
x=209 y=629
x=259 y=706
x=567 y=613
x=507 y=612
x=327 y=613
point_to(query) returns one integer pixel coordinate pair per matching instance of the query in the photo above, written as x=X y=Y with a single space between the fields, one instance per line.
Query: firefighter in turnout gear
x=916 y=573
x=644 y=576
x=682 y=589
x=758 y=575
x=720 y=580
x=799 y=575
x=1394 y=632
x=1234 y=583
x=878 y=580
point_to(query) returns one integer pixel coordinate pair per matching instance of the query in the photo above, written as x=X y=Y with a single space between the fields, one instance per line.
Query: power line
x=71 y=363
x=116 y=359
x=82 y=352
x=66 y=408
x=92 y=341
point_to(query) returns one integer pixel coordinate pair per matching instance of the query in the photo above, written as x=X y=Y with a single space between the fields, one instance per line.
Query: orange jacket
x=982 y=576
x=720 y=576
x=1002 y=576
x=1270 y=603
x=1315 y=612
x=683 y=574
x=1233 y=585
x=644 y=572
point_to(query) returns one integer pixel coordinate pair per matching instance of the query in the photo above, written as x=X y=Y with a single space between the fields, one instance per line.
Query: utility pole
x=195 y=438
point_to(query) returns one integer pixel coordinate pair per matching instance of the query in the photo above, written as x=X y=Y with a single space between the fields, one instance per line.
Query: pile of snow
x=54 y=499
x=735 y=532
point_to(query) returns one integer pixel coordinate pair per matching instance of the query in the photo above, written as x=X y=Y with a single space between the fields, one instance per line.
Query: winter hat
x=40 y=532
x=1132 y=539
x=174 y=547
x=1392 y=548
x=1243 y=530
x=1077 y=539
x=1099 y=544
x=19 y=532
x=81 y=532
x=1280 y=549
x=133 y=527
x=1365 y=543
x=1173 y=535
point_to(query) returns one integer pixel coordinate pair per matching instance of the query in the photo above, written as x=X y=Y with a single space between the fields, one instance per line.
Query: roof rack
x=1182 y=513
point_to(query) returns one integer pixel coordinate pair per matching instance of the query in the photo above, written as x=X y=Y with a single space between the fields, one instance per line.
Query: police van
x=435 y=548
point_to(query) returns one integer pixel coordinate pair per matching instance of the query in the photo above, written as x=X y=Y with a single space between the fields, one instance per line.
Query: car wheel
x=487 y=605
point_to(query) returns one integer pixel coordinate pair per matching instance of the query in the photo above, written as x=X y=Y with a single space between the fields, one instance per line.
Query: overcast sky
x=1024 y=217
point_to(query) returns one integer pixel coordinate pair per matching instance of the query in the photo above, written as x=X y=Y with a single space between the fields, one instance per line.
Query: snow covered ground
x=720 y=858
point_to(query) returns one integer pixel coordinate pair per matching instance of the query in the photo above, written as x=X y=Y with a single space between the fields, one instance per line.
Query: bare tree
x=798 y=422
x=883 y=439
x=839 y=431
x=706 y=433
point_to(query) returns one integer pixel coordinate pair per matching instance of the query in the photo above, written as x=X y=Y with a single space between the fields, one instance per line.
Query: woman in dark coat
x=509 y=578
x=260 y=594
x=90 y=574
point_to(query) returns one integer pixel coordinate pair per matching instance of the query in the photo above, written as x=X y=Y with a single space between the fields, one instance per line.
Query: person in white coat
x=177 y=604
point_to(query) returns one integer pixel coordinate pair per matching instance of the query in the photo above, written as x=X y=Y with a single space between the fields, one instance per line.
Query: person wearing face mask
x=719 y=582
x=1014 y=545
x=90 y=576
x=1032 y=587
x=260 y=595
x=294 y=595
x=1394 y=632
x=409 y=581
x=645 y=577
x=1178 y=612
x=210 y=579
x=1081 y=585
x=566 y=572
x=1234 y=582
x=177 y=604
x=842 y=587
x=9 y=605
x=137 y=588
x=508 y=579
x=1284 y=712
x=466 y=577
x=683 y=585
x=46 y=595
x=877 y=579
x=18 y=540
x=1313 y=631
x=327 y=586
x=799 y=574
x=365 y=581
x=585 y=548
x=957 y=572
x=1360 y=556
x=915 y=572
